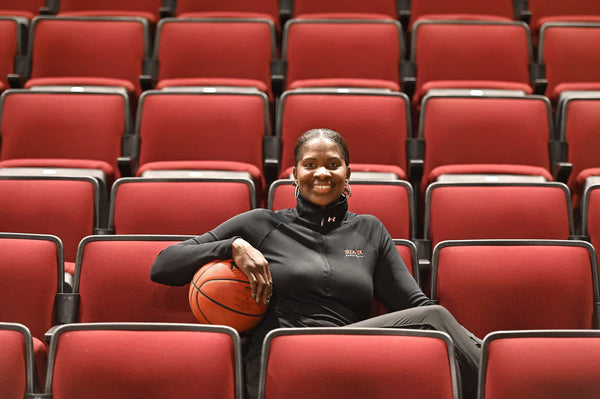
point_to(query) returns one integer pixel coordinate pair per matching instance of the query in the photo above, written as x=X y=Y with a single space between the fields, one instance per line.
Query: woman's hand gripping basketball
x=254 y=265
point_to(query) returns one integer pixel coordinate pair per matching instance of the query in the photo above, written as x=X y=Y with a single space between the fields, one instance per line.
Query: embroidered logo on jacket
x=357 y=253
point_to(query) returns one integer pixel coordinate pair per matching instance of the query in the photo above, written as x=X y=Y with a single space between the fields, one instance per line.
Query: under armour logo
x=329 y=220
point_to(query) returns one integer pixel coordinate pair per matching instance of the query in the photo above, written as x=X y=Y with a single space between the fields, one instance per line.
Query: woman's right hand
x=254 y=265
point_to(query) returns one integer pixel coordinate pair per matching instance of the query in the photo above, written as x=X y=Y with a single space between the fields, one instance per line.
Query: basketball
x=220 y=294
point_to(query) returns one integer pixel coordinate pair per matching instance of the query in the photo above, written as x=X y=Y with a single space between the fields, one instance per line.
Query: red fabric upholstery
x=18 y=13
x=490 y=169
x=13 y=364
x=468 y=51
x=177 y=207
x=179 y=82
x=561 y=367
x=148 y=9
x=8 y=49
x=70 y=48
x=357 y=366
x=482 y=130
x=350 y=52
x=114 y=284
x=391 y=203
x=470 y=84
x=344 y=8
x=82 y=81
x=463 y=212
x=21 y=8
x=491 y=287
x=375 y=127
x=71 y=130
x=543 y=11
x=229 y=9
x=65 y=208
x=592 y=216
x=499 y=10
x=144 y=364
x=40 y=356
x=226 y=51
x=570 y=55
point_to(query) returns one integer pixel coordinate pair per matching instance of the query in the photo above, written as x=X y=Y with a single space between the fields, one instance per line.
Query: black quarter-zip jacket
x=326 y=264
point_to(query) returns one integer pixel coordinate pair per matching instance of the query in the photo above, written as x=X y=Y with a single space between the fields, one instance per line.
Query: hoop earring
x=348 y=189
x=296 y=190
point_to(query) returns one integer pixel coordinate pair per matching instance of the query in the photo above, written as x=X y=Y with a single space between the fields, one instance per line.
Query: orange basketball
x=220 y=294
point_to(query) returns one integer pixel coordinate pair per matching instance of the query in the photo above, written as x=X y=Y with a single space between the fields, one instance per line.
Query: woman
x=318 y=264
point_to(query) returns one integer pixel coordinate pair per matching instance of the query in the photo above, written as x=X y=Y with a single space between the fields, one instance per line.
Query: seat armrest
x=561 y=171
x=415 y=172
x=408 y=75
x=285 y=10
x=272 y=154
x=15 y=80
x=127 y=166
x=403 y=7
x=278 y=76
x=521 y=11
x=537 y=77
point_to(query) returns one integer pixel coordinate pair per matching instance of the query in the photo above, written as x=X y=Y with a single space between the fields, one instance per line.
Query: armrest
x=15 y=80
x=278 y=76
x=150 y=73
x=408 y=73
x=127 y=162
x=103 y=231
x=403 y=7
x=285 y=10
x=415 y=172
x=522 y=12
x=49 y=334
x=561 y=171
x=272 y=154
x=127 y=166
x=167 y=9
x=537 y=77
x=51 y=8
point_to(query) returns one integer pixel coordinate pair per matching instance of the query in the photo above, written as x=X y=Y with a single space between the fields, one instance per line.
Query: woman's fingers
x=254 y=265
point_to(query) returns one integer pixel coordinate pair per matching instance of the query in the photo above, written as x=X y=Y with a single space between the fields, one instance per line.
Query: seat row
x=541 y=284
x=157 y=360
x=442 y=54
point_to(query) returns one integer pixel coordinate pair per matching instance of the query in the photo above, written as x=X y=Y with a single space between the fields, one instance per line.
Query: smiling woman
x=318 y=265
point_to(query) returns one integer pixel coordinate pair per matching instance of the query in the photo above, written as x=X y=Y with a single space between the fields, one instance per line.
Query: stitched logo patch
x=356 y=253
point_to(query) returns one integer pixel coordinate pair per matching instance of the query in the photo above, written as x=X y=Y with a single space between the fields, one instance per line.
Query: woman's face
x=321 y=172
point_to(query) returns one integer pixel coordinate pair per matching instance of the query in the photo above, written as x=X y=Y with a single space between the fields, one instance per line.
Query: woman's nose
x=322 y=171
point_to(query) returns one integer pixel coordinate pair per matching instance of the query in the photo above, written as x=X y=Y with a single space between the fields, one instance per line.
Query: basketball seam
x=198 y=290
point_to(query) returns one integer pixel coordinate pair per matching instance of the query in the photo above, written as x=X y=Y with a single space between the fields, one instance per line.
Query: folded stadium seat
x=87 y=51
x=229 y=9
x=22 y=8
x=177 y=205
x=214 y=52
x=590 y=214
x=391 y=201
x=450 y=54
x=31 y=286
x=374 y=123
x=203 y=133
x=463 y=211
x=144 y=360
x=147 y=9
x=68 y=207
x=64 y=132
x=578 y=117
x=16 y=363
x=543 y=11
x=13 y=44
x=376 y=9
x=494 y=285
x=357 y=363
x=112 y=282
x=569 y=52
x=342 y=53
x=494 y=10
x=488 y=138
x=540 y=364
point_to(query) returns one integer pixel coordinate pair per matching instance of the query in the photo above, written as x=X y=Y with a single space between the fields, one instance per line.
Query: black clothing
x=326 y=265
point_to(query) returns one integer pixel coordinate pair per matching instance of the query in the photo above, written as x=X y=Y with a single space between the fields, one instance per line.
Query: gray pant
x=466 y=345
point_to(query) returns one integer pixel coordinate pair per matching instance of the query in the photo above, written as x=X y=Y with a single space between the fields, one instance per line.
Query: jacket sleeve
x=176 y=264
x=393 y=283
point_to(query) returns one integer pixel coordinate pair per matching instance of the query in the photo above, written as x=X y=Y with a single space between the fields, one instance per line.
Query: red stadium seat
x=16 y=363
x=178 y=205
x=569 y=54
x=112 y=283
x=342 y=53
x=229 y=9
x=357 y=363
x=540 y=364
x=389 y=200
x=543 y=11
x=215 y=52
x=148 y=9
x=13 y=44
x=64 y=132
x=137 y=360
x=376 y=9
x=491 y=10
x=31 y=276
x=501 y=137
x=191 y=132
x=374 y=123
x=578 y=116
x=450 y=54
x=463 y=211
x=493 y=285
x=21 y=8
x=67 y=207
x=88 y=51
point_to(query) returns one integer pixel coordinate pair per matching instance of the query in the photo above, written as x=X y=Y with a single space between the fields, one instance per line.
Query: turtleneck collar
x=322 y=219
